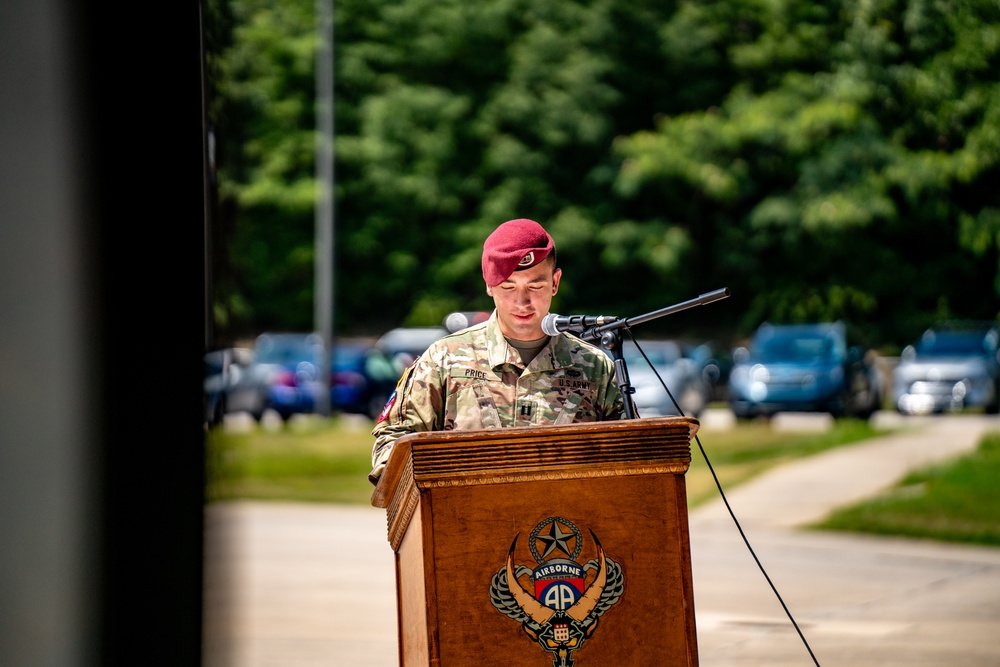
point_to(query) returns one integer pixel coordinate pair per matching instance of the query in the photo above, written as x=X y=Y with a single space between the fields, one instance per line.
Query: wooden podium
x=551 y=545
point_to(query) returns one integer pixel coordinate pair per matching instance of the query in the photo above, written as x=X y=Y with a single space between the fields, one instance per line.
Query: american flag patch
x=388 y=406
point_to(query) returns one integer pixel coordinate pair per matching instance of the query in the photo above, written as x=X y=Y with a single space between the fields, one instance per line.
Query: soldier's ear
x=489 y=291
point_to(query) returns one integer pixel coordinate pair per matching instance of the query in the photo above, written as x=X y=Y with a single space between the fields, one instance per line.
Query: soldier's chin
x=524 y=325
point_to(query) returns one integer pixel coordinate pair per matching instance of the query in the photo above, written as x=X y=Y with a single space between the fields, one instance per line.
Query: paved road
x=293 y=585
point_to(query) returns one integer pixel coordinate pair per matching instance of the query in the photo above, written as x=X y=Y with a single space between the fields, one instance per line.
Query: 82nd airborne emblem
x=563 y=601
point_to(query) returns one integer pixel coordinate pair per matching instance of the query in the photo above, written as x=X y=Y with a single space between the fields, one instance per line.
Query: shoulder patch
x=388 y=406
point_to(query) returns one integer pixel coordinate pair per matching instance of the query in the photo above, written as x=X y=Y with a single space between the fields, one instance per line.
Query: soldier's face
x=524 y=299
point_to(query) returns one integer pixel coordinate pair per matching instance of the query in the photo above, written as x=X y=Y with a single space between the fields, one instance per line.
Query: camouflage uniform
x=471 y=380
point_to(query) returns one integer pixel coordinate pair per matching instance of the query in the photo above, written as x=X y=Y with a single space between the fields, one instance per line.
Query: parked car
x=360 y=379
x=666 y=365
x=953 y=365
x=403 y=345
x=231 y=385
x=803 y=368
x=715 y=364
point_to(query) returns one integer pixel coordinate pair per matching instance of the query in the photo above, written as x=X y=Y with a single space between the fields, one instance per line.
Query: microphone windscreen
x=549 y=324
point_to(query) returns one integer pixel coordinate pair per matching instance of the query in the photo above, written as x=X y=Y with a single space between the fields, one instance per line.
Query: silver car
x=954 y=365
x=666 y=365
x=231 y=385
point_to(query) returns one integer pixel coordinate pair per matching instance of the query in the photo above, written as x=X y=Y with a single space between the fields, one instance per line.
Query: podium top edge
x=691 y=424
x=624 y=428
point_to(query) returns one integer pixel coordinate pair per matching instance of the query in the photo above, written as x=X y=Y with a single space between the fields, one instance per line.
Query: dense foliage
x=823 y=160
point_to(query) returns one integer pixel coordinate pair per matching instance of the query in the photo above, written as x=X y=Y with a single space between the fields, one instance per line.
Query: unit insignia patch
x=560 y=601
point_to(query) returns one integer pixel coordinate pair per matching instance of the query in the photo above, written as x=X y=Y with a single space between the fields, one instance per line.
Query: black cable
x=725 y=500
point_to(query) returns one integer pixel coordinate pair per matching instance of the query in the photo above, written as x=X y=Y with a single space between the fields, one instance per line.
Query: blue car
x=803 y=368
x=360 y=377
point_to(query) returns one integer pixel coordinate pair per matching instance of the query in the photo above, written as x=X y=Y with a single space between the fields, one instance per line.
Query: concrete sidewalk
x=857 y=600
x=294 y=585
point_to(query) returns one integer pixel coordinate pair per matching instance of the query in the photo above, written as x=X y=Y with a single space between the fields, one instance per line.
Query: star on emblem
x=556 y=539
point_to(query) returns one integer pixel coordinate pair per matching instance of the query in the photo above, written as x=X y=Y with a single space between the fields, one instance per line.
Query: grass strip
x=955 y=501
x=328 y=461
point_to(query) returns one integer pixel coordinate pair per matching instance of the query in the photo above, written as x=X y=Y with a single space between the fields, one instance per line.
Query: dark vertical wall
x=102 y=329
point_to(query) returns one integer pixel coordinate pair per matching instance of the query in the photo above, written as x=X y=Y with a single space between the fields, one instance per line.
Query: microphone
x=553 y=324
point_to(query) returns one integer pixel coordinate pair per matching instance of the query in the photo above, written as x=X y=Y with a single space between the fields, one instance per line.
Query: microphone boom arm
x=610 y=339
x=595 y=333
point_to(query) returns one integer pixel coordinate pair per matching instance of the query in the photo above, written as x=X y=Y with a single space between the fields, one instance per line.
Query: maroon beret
x=516 y=244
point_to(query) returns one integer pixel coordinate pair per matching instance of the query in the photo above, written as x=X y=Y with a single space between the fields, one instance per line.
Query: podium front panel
x=586 y=564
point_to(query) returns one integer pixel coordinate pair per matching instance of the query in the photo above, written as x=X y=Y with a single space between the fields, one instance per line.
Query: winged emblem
x=563 y=600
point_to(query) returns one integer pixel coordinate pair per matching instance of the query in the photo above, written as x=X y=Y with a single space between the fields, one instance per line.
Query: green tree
x=264 y=123
x=850 y=173
x=823 y=160
x=475 y=113
x=451 y=117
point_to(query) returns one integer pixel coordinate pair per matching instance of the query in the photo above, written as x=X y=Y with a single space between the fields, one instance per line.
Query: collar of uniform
x=500 y=353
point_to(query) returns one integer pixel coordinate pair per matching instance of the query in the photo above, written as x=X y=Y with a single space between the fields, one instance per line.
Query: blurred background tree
x=823 y=160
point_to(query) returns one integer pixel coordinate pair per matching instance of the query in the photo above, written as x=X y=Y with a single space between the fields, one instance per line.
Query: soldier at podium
x=505 y=371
